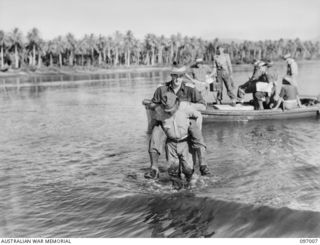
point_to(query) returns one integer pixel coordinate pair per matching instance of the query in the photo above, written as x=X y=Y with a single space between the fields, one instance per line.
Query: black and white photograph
x=159 y=119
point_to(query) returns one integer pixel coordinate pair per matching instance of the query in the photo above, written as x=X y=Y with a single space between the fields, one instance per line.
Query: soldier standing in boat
x=292 y=69
x=223 y=68
x=185 y=92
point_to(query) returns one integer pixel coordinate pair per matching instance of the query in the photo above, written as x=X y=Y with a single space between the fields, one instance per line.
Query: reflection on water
x=72 y=156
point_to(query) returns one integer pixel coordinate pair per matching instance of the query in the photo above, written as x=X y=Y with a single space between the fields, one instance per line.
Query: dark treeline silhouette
x=18 y=50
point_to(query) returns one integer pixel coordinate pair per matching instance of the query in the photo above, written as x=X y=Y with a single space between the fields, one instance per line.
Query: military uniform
x=223 y=67
x=188 y=93
x=176 y=128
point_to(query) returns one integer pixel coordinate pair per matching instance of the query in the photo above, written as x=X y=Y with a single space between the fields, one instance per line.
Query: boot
x=204 y=170
x=152 y=174
x=191 y=180
x=175 y=178
x=154 y=171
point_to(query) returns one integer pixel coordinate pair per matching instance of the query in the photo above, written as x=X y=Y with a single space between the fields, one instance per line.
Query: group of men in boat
x=176 y=107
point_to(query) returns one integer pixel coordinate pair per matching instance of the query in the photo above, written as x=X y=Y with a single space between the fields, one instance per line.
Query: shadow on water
x=186 y=215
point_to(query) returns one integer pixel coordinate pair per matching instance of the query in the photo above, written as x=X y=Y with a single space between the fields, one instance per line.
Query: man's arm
x=229 y=63
x=195 y=114
x=156 y=99
x=280 y=100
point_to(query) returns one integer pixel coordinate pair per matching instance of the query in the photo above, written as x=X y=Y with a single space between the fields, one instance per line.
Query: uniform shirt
x=223 y=62
x=292 y=67
x=187 y=92
x=288 y=92
x=176 y=126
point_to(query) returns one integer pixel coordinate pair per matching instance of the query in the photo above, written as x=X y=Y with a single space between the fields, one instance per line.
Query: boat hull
x=214 y=115
x=211 y=114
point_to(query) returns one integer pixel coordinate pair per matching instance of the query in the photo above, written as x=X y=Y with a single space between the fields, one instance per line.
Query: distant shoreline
x=78 y=70
x=46 y=71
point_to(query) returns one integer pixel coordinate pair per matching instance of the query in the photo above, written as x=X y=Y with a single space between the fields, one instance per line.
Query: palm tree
x=91 y=43
x=81 y=49
x=137 y=49
x=34 y=39
x=41 y=51
x=108 y=58
x=150 y=44
x=162 y=43
x=59 y=48
x=128 y=45
x=50 y=49
x=118 y=41
x=4 y=42
x=102 y=45
x=16 y=41
x=70 y=46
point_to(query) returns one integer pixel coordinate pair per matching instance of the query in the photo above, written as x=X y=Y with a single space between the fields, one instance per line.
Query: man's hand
x=151 y=106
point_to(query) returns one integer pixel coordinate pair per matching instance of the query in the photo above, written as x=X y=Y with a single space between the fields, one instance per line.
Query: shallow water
x=73 y=155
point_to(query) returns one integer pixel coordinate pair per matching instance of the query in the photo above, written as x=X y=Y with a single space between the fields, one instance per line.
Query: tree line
x=124 y=49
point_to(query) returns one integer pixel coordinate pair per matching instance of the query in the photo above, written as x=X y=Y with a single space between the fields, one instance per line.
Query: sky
x=208 y=19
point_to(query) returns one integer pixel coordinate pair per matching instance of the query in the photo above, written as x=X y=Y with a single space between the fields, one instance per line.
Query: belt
x=178 y=140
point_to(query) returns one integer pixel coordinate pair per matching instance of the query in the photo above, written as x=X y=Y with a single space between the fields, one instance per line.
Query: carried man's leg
x=156 y=146
x=199 y=147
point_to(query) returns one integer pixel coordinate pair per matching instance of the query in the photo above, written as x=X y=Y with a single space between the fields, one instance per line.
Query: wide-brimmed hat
x=287 y=79
x=286 y=56
x=178 y=70
x=170 y=102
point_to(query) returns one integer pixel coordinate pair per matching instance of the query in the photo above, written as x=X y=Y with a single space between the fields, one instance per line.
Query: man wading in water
x=175 y=119
x=185 y=92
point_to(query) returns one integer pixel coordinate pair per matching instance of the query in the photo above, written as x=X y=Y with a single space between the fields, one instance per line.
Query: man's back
x=176 y=125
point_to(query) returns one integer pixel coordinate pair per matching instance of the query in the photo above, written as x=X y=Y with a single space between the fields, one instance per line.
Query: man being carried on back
x=185 y=92
x=175 y=119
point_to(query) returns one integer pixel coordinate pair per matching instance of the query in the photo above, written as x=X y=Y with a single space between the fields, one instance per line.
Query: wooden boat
x=227 y=113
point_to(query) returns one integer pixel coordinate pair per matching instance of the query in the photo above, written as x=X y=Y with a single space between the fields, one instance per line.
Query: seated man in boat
x=185 y=92
x=175 y=119
x=288 y=96
x=203 y=77
x=262 y=85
